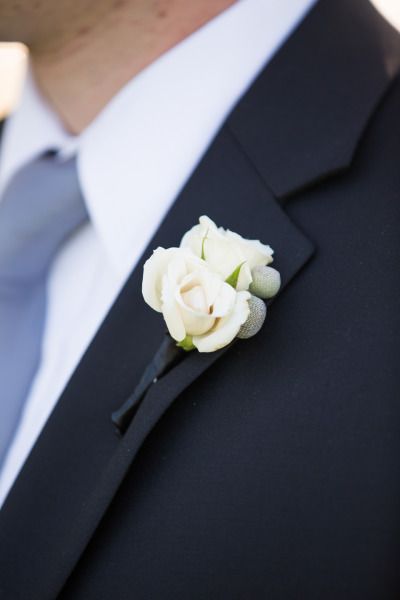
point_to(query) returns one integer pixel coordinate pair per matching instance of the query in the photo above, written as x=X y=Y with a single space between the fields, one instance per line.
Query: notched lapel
x=317 y=95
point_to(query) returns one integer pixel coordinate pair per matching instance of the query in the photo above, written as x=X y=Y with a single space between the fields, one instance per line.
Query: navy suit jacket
x=270 y=469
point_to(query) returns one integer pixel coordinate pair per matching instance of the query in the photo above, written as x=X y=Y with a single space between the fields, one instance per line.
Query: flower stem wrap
x=166 y=357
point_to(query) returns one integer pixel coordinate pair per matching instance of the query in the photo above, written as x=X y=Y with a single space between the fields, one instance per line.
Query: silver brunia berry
x=266 y=282
x=255 y=320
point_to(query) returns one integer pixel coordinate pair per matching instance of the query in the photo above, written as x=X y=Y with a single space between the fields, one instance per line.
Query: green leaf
x=186 y=344
x=203 y=254
x=234 y=276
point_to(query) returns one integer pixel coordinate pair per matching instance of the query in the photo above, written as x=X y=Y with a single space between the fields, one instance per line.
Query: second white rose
x=224 y=251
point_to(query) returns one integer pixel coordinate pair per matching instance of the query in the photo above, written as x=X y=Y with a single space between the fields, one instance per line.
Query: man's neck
x=89 y=64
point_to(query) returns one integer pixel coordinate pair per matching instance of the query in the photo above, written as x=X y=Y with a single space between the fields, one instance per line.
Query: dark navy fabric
x=269 y=470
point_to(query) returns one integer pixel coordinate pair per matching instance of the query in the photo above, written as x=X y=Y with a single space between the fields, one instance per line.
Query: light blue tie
x=39 y=209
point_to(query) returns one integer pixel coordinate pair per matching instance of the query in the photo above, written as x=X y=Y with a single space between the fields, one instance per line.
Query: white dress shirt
x=133 y=160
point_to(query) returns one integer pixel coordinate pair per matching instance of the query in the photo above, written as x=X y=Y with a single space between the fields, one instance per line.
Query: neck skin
x=80 y=68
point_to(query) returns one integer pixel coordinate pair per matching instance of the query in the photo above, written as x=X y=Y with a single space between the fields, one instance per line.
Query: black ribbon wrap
x=166 y=357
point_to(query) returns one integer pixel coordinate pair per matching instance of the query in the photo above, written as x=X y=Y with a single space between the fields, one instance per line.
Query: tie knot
x=41 y=207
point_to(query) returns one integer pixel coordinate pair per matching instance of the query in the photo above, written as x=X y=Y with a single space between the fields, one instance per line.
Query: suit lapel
x=78 y=462
x=316 y=97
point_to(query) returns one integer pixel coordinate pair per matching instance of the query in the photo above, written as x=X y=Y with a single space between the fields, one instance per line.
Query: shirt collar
x=134 y=158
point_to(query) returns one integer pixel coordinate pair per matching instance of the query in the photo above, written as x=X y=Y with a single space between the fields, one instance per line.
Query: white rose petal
x=254 y=251
x=225 y=301
x=227 y=327
x=153 y=271
x=171 y=313
x=195 y=299
x=173 y=260
x=202 y=289
x=225 y=250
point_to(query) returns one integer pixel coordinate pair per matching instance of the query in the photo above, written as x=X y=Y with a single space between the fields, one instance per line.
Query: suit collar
x=304 y=116
x=78 y=463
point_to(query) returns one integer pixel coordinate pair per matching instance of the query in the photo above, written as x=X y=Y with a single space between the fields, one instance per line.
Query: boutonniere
x=210 y=291
x=212 y=288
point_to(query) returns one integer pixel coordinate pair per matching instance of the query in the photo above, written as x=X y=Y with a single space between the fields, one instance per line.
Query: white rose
x=224 y=251
x=196 y=303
